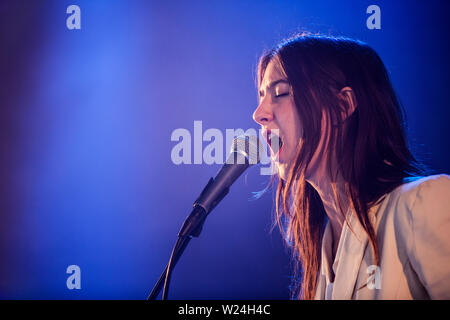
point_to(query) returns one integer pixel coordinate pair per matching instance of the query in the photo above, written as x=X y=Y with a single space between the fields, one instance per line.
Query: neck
x=323 y=184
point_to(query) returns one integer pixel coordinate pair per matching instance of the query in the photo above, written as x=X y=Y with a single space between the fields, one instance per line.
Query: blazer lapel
x=349 y=255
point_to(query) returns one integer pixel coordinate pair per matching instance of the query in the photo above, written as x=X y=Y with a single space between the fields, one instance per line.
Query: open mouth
x=275 y=142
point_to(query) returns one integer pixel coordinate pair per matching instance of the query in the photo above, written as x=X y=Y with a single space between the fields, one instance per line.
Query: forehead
x=273 y=72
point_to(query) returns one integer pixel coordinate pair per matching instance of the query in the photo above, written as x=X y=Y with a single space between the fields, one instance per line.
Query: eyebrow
x=274 y=83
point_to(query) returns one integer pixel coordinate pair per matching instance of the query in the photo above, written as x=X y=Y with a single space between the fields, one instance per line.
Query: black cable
x=157 y=288
x=173 y=260
x=191 y=227
x=170 y=266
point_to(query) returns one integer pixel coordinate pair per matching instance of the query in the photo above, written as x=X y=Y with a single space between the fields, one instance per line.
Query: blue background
x=86 y=118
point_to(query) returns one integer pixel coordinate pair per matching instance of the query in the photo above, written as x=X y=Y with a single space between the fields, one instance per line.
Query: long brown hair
x=370 y=144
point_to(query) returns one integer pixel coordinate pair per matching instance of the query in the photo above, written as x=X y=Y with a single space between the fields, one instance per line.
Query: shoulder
x=422 y=207
x=420 y=203
x=438 y=182
x=421 y=210
x=422 y=190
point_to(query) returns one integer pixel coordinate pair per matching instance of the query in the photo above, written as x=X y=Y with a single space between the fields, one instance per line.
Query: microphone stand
x=191 y=227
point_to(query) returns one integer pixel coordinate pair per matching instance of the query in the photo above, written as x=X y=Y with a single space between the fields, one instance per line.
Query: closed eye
x=282 y=95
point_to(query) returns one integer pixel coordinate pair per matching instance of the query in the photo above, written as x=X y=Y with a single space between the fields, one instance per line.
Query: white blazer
x=413 y=235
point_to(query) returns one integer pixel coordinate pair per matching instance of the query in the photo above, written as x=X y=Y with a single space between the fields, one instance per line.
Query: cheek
x=295 y=127
x=298 y=129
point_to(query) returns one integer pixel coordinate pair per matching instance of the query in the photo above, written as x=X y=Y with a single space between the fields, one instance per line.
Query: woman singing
x=351 y=200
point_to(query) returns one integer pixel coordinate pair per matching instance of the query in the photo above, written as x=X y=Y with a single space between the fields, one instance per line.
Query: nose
x=263 y=114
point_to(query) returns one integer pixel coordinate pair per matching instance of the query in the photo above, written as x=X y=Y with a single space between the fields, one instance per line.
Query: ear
x=348 y=102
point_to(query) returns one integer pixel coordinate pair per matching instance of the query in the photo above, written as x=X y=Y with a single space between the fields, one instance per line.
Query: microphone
x=246 y=150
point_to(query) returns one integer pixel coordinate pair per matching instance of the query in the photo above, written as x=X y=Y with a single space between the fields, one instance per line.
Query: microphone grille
x=248 y=146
